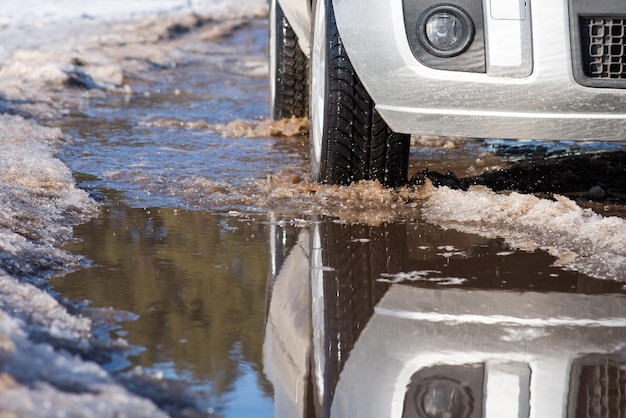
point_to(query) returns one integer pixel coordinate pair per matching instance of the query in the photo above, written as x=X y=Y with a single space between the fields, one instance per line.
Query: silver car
x=371 y=72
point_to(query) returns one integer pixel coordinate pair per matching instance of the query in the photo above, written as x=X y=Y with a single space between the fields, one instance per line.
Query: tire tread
x=360 y=146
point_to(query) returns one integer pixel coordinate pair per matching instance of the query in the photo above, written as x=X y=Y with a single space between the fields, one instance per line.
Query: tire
x=288 y=69
x=349 y=139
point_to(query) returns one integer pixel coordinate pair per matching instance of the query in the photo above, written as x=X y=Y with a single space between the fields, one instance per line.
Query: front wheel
x=349 y=139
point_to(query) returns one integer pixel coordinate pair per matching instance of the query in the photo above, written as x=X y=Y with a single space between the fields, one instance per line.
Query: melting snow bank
x=39 y=203
x=38 y=381
x=580 y=239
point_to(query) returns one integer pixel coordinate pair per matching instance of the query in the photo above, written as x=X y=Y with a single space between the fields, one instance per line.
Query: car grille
x=603 y=44
x=598 y=388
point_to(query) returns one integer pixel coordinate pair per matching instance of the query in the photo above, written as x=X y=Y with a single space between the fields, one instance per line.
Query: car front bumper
x=545 y=103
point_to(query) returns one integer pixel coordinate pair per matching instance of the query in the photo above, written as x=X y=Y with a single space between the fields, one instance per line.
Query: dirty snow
x=39 y=203
x=580 y=239
x=239 y=128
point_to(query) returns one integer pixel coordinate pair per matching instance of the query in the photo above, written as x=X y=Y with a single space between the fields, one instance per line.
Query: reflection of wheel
x=346 y=263
x=288 y=68
x=349 y=139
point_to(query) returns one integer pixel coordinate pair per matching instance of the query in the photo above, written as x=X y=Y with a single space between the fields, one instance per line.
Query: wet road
x=268 y=296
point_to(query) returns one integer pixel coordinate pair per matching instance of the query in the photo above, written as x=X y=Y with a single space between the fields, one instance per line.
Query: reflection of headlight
x=445 y=391
x=443 y=398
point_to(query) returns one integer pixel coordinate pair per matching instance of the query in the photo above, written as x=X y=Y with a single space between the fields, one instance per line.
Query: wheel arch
x=298 y=13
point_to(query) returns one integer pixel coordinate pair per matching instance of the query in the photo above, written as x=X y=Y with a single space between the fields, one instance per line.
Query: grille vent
x=603 y=44
x=599 y=388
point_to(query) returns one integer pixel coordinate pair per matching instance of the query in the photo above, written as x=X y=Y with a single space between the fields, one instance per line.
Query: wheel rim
x=318 y=82
x=272 y=56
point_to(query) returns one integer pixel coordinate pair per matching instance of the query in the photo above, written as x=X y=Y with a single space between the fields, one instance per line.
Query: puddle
x=197 y=282
x=233 y=304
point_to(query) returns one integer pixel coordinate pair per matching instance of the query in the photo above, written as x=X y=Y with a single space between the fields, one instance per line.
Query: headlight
x=445 y=30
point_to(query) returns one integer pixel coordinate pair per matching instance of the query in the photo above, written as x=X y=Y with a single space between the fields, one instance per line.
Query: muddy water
x=196 y=282
x=266 y=295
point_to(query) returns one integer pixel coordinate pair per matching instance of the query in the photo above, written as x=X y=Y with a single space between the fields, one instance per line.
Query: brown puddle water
x=271 y=296
x=197 y=282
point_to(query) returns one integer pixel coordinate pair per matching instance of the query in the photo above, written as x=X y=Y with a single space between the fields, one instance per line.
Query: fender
x=298 y=13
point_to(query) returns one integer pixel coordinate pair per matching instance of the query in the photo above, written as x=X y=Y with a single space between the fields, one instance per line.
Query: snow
x=38 y=24
x=38 y=381
x=38 y=199
x=39 y=202
x=37 y=12
x=580 y=239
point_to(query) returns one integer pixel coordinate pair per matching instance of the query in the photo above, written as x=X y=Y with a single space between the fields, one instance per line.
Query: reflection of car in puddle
x=344 y=338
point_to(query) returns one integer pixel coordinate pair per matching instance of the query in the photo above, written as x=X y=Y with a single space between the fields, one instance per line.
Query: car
x=369 y=73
